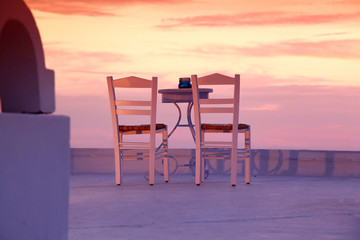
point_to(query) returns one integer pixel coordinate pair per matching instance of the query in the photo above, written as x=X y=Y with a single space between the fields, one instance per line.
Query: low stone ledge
x=265 y=162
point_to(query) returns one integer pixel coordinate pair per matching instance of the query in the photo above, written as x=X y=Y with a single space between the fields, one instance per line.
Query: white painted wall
x=34 y=176
x=34 y=148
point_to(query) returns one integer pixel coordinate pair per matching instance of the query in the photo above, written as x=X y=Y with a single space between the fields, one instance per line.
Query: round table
x=183 y=95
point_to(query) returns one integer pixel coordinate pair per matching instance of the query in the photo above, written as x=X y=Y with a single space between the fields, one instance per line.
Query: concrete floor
x=271 y=207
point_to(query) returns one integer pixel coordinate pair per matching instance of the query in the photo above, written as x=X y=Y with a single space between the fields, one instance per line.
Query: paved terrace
x=271 y=207
x=296 y=194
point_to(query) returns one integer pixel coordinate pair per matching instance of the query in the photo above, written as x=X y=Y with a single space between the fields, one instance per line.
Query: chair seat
x=123 y=128
x=207 y=126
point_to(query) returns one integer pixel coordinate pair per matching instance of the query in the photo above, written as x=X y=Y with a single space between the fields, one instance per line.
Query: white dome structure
x=26 y=86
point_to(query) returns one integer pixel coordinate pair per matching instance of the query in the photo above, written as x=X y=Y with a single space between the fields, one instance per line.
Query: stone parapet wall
x=265 y=162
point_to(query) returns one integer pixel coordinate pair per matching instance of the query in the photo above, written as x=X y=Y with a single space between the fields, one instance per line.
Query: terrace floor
x=271 y=207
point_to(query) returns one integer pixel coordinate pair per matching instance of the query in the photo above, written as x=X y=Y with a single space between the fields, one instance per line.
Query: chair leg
x=202 y=159
x=198 y=156
x=152 y=162
x=166 y=159
x=118 y=174
x=247 y=170
x=202 y=169
x=233 y=167
x=247 y=160
x=118 y=162
x=151 y=170
x=197 y=166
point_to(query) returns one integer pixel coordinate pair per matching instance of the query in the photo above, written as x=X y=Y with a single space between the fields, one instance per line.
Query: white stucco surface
x=34 y=147
x=34 y=176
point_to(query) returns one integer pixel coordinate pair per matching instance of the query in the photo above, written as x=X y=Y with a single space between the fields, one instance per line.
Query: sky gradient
x=298 y=60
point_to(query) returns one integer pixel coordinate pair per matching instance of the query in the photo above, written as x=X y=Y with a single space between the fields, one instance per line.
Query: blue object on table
x=184 y=82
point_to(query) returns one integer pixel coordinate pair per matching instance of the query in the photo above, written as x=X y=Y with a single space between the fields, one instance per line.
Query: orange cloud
x=348 y=2
x=80 y=61
x=329 y=49
x=258 y=19
x=88 y=7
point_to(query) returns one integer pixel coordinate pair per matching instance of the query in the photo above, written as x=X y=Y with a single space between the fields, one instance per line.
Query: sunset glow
x=299 y=62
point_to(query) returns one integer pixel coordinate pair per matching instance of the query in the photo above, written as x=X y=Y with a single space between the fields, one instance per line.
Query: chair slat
x=134 y=148
x=215 y=157
x=130 y=152
x=216 y=110
x=217 y=143
x=133 y=112
x=132 y=82
x=216 y=101
x=132 y=103
x=135 y=143
x=215 y=79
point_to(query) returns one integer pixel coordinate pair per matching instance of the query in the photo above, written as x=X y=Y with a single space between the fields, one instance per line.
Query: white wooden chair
x=208 y=149
x=125 y=149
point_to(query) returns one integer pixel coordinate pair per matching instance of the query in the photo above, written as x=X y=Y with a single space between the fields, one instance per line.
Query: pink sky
x=298 y=60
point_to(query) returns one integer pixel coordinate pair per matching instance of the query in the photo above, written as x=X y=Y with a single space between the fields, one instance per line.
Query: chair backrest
x=121 y=106
x=225 y=105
